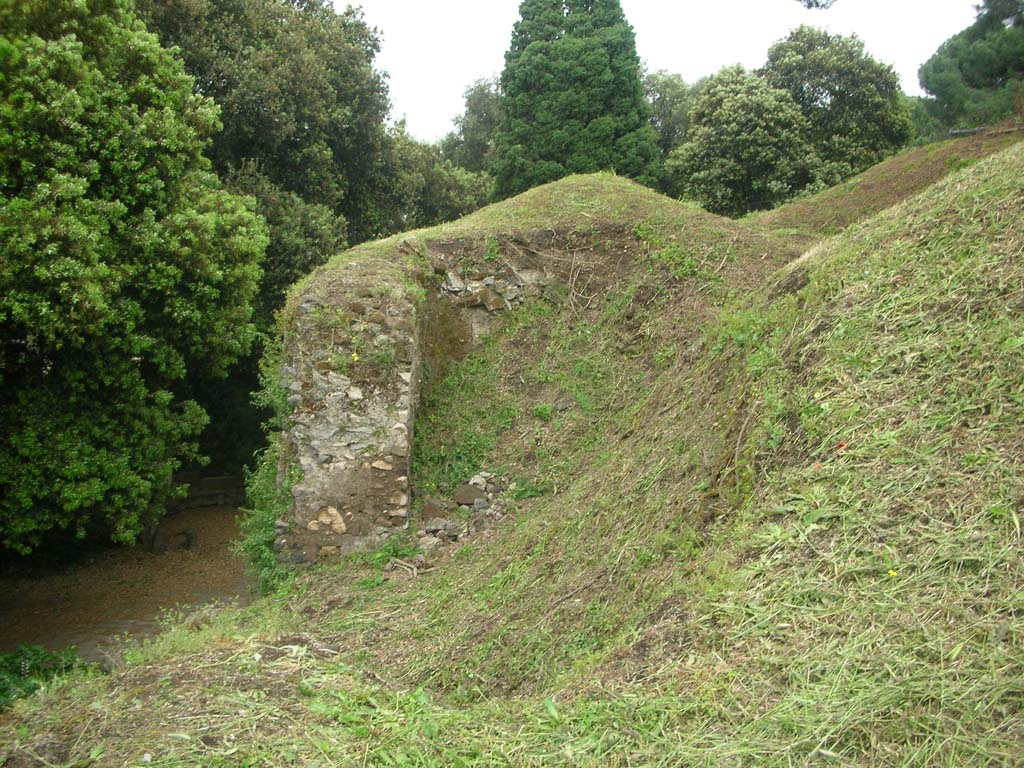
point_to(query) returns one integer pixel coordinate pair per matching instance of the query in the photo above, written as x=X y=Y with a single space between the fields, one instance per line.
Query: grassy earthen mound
x=760 y=516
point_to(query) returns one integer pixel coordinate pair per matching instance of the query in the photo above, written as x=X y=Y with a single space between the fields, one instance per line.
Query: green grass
x=891 y=181
x=453 y=441
x=26 y=670
x=776 y=526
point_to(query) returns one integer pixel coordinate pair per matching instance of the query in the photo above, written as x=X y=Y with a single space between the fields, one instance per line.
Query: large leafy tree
x=125 y=266
x=471 y=144
x=852 y=102
x=977 y=76
x=303 y=236
x=298 y=94
x=572 y=97
x=748 y=146
x=303 y=112
x=671 y=99
x=428 y=188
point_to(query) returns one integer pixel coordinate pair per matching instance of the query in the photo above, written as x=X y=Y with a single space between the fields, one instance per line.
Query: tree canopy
x=298 y=94
x=852 y=102
x=304 y=124
x=304 y=133
x=747 y=148
x=977 y=76
x=124 y=262
x=471 y=144
x=303 y=236
x=428 y=188
x=572 y=97
x=671 y=99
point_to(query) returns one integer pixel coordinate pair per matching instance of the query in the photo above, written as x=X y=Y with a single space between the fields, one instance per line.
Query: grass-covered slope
x=776 y=525
x=585 y=214
x=885 y=184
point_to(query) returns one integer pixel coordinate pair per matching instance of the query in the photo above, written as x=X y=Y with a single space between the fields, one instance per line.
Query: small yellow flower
x=892 y=574
x=355 y=358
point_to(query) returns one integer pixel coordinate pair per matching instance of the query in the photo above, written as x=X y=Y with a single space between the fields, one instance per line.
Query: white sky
x=433 y=49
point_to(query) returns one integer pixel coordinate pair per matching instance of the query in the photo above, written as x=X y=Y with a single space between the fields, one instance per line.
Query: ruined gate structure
x=358 y=338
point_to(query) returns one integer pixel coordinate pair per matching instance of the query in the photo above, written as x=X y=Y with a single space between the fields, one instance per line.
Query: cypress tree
x=540 y=21
x=573 y=98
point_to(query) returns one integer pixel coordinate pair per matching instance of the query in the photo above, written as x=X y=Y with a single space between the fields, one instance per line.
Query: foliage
x=303 y=235
x=852 y=103
x=268 y=498
x=125 y=266
x=471 y=144
x=303 y=113
x=748 y=147
x=268 y=486
x=572 y=97
x=926 y=126
x=297 y=91
x=671 y=100
x=977 y=76
x=25 y=670
x=426 y=188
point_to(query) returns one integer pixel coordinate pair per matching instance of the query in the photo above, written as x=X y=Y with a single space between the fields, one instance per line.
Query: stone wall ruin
x=354 y=349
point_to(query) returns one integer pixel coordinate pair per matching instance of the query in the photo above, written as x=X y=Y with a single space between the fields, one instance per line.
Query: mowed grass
x=782 y=530
x=885 y=184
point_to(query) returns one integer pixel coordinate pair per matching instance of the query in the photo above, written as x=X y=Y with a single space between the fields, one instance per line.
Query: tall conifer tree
x=573 y=97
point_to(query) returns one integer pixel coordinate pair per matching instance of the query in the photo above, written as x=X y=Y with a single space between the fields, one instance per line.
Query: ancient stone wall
x=352 y=371
x=354 y=356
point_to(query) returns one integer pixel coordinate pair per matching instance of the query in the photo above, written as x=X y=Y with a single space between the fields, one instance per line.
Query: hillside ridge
x=777 y=520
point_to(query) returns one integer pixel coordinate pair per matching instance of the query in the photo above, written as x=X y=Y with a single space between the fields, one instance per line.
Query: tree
x=572 y=97
x=304 y=235
x=747 y=148
x=125 y=266
x=427 y=189
x=927 y=127
x=303 y=112
x=471 y=144
x=670 y=99
x=297 y=91
x=852 y=102
x=977 y=76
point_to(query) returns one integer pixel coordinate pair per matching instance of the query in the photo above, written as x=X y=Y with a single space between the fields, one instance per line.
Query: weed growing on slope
x=684 y=256
x=452 y=441
x=884 y=405
x=888 y=183
x=268 y=486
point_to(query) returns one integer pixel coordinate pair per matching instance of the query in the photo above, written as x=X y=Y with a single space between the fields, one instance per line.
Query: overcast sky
x=433 y=49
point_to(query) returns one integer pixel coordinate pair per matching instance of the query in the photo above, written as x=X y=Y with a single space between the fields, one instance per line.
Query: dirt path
x=124 y=591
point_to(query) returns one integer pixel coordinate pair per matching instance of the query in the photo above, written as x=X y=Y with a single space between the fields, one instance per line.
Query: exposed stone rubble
x=351 y=427
x=353 y=375
x=491 y=292
x=474 y=507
